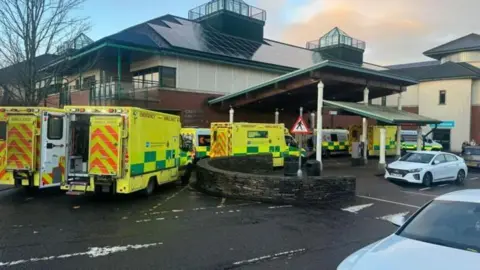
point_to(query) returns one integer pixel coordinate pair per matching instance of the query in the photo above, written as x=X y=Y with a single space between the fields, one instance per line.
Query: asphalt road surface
x=180 y=228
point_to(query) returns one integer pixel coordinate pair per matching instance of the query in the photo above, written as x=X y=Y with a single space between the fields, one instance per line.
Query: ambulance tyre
x=150 y=187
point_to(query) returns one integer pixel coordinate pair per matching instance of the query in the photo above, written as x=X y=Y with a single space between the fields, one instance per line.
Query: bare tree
x=29 y=29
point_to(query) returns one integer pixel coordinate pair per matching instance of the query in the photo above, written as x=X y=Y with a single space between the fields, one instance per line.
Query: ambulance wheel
x=150 y=187
x=327 y=154
x=188 y=173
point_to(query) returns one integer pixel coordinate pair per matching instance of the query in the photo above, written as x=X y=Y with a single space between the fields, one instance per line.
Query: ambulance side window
x=257 y=134
x=334 y=137
x=3 y=131
x=55 y=128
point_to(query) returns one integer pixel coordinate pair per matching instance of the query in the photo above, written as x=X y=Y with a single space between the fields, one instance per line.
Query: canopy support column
x=319 y=125
x=381 y=161
x=364 y=126
x=231 y=112
x=399 y=129
x=277 y=114
x=419 y=138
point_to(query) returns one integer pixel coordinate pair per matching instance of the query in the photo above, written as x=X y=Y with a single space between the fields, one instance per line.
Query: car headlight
x=415 y=170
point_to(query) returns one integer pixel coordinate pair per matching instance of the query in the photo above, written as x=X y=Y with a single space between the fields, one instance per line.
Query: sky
x=395 y=31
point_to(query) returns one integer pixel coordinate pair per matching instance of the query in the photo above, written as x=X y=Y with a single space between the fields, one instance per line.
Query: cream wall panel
x=457 y=107
x=476 y=92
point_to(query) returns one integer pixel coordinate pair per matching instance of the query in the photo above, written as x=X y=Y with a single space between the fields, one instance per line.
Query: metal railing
x=336 y=40
x=235 y=6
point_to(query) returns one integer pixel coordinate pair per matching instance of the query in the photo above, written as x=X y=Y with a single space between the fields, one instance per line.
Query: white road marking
x=418 y=193
x=280 y=206
x=177 y=210
x=391 y=217
x=473 y=178
x=92 y=252
x=143 y=220
x=356 y=208
x=427 y=188
x=160 y=218
x=270 y=256
x=222 y=203
x=387 y=201
x=167 y=199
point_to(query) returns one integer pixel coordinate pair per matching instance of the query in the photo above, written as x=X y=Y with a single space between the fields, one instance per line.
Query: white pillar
x=312 y=120
x=419 y=138
x=383 y=132
x=399 y=128
x=277 y=114
x=231 y=112
x=364 y=126
x=299 y=171
x=319 y=122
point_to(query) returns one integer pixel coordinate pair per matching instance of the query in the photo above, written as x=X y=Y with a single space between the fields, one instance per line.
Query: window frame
x=49 y=129
x=442 y=93
x=162 y=72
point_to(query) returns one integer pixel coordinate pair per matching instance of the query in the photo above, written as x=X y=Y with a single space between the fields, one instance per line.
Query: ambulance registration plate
x=396 y=175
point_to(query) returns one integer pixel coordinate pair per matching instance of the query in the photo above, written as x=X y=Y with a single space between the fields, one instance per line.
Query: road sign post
x=300 y=127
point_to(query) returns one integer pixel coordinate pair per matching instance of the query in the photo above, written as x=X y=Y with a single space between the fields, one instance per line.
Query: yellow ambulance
x=195 y=146
x=373 y=137
x=24 y=159
x=119 y=149
x=231 y=139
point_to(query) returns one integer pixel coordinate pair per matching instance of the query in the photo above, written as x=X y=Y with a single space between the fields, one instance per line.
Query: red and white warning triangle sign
x=300 y=127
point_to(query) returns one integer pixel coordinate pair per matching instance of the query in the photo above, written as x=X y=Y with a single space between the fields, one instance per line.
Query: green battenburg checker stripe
x=151 y=156
x=252 y=149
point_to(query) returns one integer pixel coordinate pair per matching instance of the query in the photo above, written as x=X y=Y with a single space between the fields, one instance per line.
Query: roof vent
x=233 y=17
x=339 y=45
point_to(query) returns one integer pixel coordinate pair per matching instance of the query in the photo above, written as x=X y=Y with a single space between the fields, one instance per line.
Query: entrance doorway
x=442 y=136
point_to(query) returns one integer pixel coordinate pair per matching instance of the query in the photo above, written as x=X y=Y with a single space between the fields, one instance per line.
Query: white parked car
x=426 y=167
x=443 y=235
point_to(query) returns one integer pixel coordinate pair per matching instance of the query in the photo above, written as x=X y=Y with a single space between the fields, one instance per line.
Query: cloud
x=396 y=31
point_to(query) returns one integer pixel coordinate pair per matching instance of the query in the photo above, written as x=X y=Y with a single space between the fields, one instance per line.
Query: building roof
x=171 y=34
x=10 y=73
x=324 y=65
x=384 y=114
x=469 y=42
x=414 y=65
x=429 y=72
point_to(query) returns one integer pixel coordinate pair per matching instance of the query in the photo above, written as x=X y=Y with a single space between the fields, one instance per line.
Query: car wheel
x=427 y=179
x=460 y=177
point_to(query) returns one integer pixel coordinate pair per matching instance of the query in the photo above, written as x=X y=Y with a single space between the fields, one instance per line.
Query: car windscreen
x=417 y=157
x=447 y=223
x=472 y=151
x=290 y=141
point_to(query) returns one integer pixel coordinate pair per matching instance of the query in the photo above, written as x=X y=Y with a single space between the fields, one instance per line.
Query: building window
x=168 y=77
x=89 y=81
x=442 y=97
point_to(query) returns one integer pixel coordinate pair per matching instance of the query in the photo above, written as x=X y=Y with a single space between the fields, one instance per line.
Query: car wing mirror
x=435 y=162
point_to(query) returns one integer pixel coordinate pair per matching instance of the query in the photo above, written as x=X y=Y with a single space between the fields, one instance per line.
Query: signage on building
x=444 y=124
